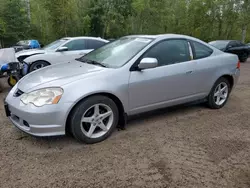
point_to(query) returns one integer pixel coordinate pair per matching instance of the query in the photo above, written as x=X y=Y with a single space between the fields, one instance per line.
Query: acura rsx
x=90 y=96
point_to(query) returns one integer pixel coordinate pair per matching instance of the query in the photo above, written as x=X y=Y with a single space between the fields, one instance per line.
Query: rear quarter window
x=200 y=50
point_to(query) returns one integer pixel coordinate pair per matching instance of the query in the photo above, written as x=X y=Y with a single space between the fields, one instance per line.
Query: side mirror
x=148 y=63
x=62 y=49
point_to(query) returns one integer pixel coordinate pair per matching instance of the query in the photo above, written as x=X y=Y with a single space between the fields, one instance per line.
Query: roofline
x=168 y=35
x=84 y=37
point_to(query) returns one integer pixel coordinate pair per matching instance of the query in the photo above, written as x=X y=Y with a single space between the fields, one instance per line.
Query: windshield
x=119 y=52
x=219 y=44
x=54 y=45
x=23 y=42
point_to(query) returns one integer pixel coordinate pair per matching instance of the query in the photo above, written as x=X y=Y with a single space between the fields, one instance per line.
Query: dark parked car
x=234 y=47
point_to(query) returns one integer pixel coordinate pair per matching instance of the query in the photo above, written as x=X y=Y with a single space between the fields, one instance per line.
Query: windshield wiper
x=92 y=62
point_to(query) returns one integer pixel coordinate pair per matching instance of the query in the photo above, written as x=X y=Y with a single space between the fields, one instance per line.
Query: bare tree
x=245 y=17
x=28 y=9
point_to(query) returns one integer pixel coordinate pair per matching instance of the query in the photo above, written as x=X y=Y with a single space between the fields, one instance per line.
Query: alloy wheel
x=221 y=93
x=97 y=120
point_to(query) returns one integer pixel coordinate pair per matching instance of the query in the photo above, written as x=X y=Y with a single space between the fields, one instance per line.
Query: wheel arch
x=113 y=97
x=30 y=64
x=40 y=60
x=230 y=79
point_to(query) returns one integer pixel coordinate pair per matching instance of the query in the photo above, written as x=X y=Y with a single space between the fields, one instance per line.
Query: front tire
x=94 y=119
x=38 y=65
x=219 y=94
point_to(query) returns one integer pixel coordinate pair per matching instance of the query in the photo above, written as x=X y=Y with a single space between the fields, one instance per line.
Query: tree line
x=49 y=20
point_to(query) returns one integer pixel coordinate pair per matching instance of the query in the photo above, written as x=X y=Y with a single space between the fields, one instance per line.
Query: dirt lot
x=182 y=147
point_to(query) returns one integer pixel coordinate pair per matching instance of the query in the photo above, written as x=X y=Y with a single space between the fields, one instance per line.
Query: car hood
x=30 y=52
x=57 y=75
x=7 y=55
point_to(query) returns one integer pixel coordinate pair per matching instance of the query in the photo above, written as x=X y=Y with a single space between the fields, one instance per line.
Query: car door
x=172 y=82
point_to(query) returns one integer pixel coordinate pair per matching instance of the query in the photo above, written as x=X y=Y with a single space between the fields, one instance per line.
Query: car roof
x=164 y=36
x=85 y=37
x=224 y=40
x=167 y=36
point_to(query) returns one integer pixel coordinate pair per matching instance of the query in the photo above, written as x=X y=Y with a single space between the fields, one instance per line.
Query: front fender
x=51 y=58
x=80 y=89
x=34 y=58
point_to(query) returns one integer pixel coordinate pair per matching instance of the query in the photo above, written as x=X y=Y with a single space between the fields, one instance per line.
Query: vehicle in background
x=7 y=55
x=8 y=65
x=234 y=47
x=248 y=44
x=60 y=51
x=26 y=44
x=92 y=95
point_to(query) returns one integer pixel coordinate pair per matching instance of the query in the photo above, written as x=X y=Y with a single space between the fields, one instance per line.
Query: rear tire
x=38 y=65
x=94 y=119
x=219 y=94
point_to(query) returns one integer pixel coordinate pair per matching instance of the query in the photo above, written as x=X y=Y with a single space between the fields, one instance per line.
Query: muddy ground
x=189 y=146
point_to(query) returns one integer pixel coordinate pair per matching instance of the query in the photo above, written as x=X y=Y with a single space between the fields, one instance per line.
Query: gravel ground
x=189 y=146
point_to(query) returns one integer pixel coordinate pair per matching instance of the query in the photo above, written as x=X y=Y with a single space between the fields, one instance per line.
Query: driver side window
x=233 y=44
x=170 y=52
x=75 y=45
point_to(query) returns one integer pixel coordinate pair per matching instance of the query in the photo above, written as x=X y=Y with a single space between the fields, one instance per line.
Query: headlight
x=43 y=96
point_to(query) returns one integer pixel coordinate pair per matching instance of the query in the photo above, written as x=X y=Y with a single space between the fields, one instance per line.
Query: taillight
x=238 y=65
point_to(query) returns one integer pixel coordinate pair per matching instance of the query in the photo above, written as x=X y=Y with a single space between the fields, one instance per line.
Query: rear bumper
x=236 y=76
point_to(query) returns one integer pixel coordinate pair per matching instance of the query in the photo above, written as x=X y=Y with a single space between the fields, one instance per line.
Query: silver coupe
x=90 y=96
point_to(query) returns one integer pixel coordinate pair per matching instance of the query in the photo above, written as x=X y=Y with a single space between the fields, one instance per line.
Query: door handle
x=82 y=53
x=189 y=72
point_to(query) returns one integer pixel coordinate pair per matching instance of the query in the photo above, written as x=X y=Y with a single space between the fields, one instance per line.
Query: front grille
x=18 y=93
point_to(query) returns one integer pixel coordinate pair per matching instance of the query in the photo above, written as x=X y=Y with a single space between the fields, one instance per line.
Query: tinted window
x=76 y=45
x=94 y=44
x=170 y=52
x=239 y=43
x=54 y=45
x=201 y=51
x=233 y=44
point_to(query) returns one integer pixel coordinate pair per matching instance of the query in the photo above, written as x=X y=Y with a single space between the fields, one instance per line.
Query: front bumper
x=48 y=120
